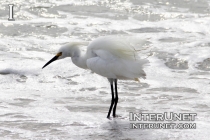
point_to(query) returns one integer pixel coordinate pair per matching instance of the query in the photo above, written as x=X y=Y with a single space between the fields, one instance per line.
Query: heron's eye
x=59 y=54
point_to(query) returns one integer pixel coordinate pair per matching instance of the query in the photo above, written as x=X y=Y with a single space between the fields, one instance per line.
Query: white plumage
x=111 y=57
x=115 y=58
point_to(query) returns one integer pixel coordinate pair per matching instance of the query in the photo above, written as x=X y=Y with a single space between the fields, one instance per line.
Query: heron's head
x=63 y=52
x=68 y=50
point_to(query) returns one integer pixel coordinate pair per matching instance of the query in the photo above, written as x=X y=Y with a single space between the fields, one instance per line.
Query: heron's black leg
x=116 y=99
x=112 y=101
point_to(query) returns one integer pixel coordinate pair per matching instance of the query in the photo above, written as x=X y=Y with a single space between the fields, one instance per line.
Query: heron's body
x=113 y=58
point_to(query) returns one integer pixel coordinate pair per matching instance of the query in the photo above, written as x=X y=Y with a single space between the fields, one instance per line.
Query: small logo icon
x=11 y=18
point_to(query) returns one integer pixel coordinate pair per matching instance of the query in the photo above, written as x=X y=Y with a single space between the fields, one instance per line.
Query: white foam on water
x=63 y=101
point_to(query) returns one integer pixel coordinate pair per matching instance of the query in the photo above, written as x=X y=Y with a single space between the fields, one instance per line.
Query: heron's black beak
x=53 y=59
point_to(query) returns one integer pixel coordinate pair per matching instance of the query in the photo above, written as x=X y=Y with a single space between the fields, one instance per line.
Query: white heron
x=112 y=57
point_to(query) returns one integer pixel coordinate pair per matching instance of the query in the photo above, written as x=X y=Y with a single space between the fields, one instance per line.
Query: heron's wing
x=121 y=47
x=109 y=65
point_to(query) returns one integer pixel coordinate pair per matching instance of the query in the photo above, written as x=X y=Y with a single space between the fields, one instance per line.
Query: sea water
x=63 y=101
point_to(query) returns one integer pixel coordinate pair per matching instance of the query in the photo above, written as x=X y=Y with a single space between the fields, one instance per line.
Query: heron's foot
x=108 y=117
x=116 y=116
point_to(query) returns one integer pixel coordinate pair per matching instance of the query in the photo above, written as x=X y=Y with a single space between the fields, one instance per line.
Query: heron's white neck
x=79 y=59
